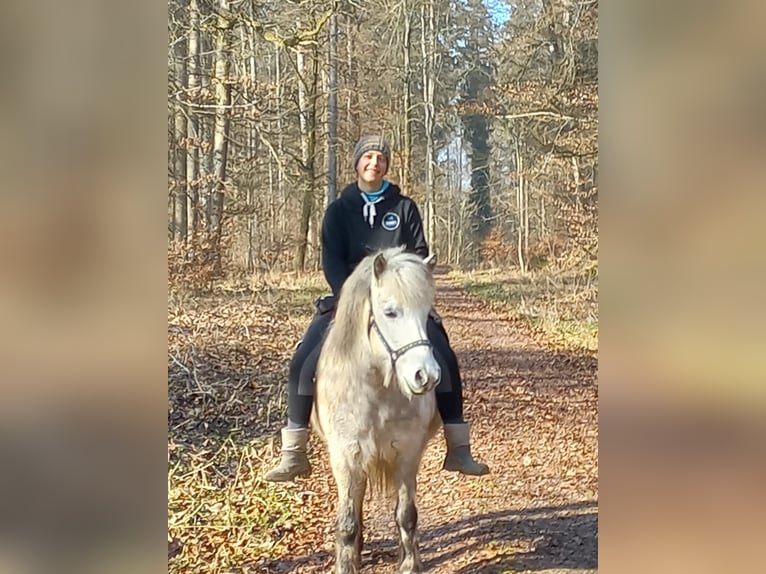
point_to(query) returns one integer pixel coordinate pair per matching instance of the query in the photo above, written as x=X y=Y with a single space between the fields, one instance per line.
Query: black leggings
x=300 y=382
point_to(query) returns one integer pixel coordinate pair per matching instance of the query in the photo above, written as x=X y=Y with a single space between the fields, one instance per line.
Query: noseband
x=395 y=355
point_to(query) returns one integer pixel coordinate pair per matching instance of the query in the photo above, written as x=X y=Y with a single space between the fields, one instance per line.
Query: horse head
x=401 y=296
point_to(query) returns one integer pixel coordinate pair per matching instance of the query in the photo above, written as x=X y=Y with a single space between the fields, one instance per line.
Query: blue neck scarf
x=370 y=199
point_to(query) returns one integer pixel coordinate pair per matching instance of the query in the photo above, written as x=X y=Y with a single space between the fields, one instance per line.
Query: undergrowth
x=220 y=512
x=228 y=352
x=229 y=347
x=561 y=303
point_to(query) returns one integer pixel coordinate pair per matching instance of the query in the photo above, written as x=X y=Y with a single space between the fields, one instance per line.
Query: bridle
x=393 y=354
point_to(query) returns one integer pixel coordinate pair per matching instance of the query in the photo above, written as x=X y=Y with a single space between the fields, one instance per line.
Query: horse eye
x=390 y=313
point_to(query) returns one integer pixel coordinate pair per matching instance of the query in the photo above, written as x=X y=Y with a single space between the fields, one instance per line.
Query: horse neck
x=352 y=320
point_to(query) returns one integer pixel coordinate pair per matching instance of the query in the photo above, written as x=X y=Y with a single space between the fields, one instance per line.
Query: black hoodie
x=348 y=237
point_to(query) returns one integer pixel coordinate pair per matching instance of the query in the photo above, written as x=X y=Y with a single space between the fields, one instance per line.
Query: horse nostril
x=420 y=377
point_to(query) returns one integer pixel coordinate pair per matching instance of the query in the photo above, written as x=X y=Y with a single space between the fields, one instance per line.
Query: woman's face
x=371 y=168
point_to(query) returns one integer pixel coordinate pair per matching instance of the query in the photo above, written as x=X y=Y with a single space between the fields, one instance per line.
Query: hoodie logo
x=390 y=221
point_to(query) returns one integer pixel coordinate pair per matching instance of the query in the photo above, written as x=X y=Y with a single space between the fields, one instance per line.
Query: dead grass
x=220 y=512
x=563 y=304
x=228 y=354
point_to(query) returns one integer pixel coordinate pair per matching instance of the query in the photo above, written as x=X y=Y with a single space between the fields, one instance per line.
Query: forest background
x=491 y=108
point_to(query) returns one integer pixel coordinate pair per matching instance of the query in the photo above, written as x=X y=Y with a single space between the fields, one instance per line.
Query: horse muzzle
x=425 y=380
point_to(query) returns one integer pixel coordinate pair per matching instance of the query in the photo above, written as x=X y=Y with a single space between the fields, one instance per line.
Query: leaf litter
x=532 y=404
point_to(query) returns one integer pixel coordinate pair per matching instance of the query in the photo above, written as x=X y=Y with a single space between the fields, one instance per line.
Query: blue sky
x=498 y=10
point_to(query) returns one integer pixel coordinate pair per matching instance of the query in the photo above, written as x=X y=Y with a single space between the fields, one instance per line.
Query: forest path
x=534 y=415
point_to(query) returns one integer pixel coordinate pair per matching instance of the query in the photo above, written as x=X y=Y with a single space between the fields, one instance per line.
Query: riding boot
x=294 y=461
x=459 y=451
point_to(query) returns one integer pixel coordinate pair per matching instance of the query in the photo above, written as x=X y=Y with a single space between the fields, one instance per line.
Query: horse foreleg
x=407 y=521
x=348 y=526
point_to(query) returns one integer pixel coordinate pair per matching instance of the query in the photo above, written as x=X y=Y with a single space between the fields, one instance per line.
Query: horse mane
x=408 y=275
x=353 y=307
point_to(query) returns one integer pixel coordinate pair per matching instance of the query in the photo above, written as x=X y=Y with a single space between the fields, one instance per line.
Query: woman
x=370 y=214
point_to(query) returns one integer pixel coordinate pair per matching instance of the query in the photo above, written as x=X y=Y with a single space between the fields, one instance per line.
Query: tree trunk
x=462 y=208
x=332 y=113
x=280 y=147
x=406 y=102
x=452 y=193
x=307 y=97
x=427 y=49
x=543 y=228
x=206 y=129
x=520 y=209
x=525 y=198
x=193 y=155
x=221 y=130
x=352 y=116
x=180 y=222
x=254 y=220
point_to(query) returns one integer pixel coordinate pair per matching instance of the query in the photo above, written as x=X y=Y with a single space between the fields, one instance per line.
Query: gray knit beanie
x=371 y=143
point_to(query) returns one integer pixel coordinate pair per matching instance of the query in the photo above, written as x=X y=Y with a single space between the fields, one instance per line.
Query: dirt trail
x=534 y=416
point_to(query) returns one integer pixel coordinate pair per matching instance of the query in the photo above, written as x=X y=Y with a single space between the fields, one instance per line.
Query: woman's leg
x=299 y=412
x=300 y=400
x=450 y=404
x=298 y=405
x=300 y=385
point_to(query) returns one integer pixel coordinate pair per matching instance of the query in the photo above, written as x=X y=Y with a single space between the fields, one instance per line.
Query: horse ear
x=379 y=265
x=430 y=262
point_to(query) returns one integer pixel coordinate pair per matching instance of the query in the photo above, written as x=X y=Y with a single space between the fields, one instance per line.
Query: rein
x=395 y=355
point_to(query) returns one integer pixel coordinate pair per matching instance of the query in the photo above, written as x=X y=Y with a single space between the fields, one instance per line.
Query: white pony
x=375 y=405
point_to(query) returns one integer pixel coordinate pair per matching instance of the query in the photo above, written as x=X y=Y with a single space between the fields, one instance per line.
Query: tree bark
x=280 y=145
x=193 y=155
x=406 y=100
x=352 y=103
x=307 y=80
x=220 y=130
x=427 y=50
x=520 y=209
x=332 y=113
x=180 y=129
